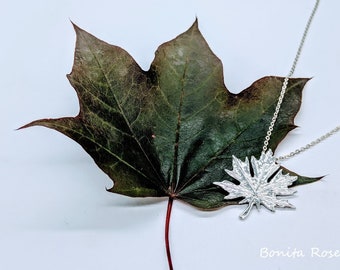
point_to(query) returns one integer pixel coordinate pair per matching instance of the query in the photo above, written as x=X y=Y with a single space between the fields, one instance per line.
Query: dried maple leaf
x=169 y=131
x=259 y=183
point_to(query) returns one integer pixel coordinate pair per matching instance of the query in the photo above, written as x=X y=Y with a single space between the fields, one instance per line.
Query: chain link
x=310 y=145
x=286 y=79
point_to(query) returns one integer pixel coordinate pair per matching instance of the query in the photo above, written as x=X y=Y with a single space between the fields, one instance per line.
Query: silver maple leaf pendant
x=260 y=183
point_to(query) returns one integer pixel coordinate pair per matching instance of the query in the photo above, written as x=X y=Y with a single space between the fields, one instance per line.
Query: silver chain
x=286 y=79
x=309 y=145
x=282 y=94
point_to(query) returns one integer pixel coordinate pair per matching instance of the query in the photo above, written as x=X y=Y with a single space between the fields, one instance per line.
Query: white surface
x=55 y=212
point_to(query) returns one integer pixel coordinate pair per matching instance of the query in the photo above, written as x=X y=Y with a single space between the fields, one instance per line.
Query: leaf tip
x=76 y=27
x=195 y=24
x=25 y=126
x=34 y=123
x=73 y=24
x=196 y=21
x=53 y=123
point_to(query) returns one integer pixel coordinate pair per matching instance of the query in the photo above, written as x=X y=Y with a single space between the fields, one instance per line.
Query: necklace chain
x=286 y=79
x=309 y=145
x=282 y=94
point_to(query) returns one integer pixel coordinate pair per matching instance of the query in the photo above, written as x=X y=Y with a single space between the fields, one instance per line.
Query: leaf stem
x=167 y=225
x=246 y=212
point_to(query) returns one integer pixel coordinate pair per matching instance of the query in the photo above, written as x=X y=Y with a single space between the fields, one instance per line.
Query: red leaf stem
x=167 y=225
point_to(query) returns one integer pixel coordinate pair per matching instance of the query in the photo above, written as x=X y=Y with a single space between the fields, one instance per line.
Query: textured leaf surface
x=260 y=182
x=172 y=130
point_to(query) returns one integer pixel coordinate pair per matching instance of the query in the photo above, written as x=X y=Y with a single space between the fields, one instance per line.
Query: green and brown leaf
x=170 y=131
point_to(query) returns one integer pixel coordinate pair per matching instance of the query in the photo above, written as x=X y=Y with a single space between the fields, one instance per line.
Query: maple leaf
x=170 y=131
x=259 y=183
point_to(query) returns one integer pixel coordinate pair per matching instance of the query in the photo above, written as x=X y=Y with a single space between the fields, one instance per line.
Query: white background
x=54 y=210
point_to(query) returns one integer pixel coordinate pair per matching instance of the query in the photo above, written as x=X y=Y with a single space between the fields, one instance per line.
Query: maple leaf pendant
x=260 y=183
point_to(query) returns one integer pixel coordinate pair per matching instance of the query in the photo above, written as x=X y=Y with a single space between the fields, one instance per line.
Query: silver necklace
x=255 y=187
